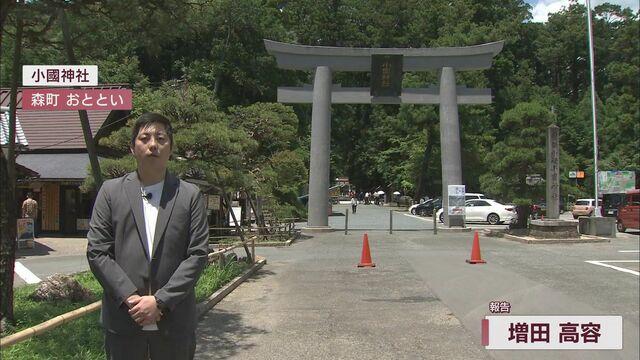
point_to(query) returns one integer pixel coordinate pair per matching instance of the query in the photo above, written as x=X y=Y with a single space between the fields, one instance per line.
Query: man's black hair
x=149 y=118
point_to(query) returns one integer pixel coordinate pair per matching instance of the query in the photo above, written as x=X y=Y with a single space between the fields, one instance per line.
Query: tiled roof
x=55 y=130
x=58 y=129
x=4 y=130
x=57 y=166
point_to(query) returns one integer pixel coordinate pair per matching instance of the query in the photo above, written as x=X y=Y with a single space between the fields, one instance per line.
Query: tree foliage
x=203 y=64
x=245 y=148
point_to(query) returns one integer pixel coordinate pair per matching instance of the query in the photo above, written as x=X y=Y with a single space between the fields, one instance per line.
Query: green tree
x=246 y=148
x=522 y=152
x=563 y=51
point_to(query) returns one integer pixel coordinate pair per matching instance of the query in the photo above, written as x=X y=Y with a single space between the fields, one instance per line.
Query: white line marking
x=26 y=274
x=629 y=251
x=602 y=263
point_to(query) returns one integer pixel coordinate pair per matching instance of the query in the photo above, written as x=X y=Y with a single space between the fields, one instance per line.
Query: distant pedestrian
x=354 y=205
x=366 y=198
x=30 y=210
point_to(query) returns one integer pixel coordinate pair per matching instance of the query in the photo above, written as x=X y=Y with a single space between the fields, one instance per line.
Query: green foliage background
x=203 y=64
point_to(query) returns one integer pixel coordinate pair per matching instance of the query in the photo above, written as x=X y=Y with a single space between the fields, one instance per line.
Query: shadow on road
x=38 y=250
x=224 y=335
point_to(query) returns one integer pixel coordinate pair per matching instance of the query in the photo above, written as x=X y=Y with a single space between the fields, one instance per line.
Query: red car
x=629 y=213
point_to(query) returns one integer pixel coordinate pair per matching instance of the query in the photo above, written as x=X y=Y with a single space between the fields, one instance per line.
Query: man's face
x=152 y=146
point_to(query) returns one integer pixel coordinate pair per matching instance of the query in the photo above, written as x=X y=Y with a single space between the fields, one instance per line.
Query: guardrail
x=279 y=228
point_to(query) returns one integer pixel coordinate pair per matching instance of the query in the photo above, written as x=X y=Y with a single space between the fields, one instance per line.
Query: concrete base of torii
x=316 y=229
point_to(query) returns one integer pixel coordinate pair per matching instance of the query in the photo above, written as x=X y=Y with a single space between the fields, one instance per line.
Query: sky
x=541 y=8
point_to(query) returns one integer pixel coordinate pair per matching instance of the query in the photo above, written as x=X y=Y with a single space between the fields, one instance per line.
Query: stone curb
x=275 y=243
x=203 y=307
x=456 y=230
x=582 y=240
x=317 y=230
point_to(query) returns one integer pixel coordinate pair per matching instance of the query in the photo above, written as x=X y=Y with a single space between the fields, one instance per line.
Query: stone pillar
x=320 y=150
x=553 y=172
x=449 y=141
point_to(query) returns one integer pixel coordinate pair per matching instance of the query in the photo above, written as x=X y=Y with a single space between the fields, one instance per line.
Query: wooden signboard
x=25 y=233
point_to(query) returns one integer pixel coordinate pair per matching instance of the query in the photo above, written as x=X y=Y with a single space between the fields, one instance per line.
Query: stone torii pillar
x=323 y=60
x=450 y=153
x=320 y=147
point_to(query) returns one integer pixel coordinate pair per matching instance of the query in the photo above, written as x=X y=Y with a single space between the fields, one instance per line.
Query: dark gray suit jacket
x=119 y=258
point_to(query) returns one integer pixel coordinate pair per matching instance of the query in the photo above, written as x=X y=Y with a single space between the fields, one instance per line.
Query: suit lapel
x=132 y=187
x=167 y=201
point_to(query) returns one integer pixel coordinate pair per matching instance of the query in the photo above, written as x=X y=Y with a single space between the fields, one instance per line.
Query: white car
x=471 y=196
x=467 y=196
x=487 y=210
x=583 y=207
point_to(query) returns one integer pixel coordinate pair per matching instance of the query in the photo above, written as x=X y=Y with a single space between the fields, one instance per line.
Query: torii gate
x=385 y=65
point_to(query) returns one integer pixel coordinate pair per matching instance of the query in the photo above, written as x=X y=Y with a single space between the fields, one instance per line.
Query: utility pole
x=593 y=109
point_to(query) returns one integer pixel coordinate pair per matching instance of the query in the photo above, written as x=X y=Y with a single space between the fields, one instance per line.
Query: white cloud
x=541 y=9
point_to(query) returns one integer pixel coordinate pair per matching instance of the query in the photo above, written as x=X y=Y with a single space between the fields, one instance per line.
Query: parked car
x=471 y=196
x=583 y=207
x=629 y=213
x=427 y=208
x=412 y=208
x=482 y=210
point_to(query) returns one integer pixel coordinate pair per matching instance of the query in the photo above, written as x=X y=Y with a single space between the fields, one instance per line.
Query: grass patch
x=214 y=277
x=83 y=338
x=29 y=312
x=78 y=339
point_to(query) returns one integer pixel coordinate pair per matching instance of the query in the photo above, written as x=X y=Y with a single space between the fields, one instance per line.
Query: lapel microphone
x=147 y=196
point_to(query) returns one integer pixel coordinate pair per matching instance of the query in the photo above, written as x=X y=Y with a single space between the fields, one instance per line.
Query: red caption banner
x=76 y=99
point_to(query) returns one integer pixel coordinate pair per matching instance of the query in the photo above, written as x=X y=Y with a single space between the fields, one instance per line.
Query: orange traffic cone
x=365 y=260
x=475 y=251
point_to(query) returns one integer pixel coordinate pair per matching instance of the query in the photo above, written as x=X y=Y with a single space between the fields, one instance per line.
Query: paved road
x=374 y=217
x=53 y=255
x=422 y=301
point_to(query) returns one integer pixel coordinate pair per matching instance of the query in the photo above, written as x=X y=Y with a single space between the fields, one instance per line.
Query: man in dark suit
x=147 y=247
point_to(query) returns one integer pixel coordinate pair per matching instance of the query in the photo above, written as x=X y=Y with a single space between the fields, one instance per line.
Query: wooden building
x=58 y=163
